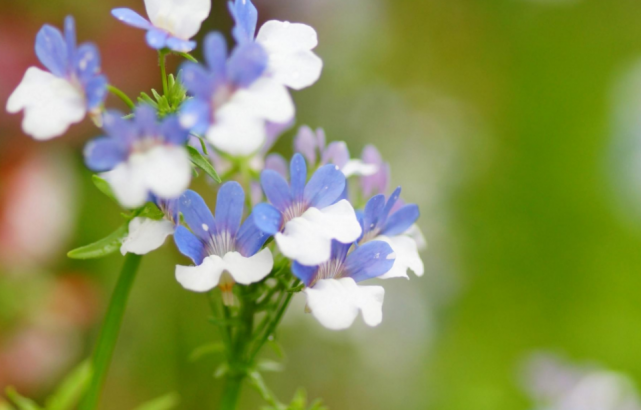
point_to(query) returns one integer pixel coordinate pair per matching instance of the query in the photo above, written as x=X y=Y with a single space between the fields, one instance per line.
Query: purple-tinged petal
x=70 y=39
x=298 y=177
x=87 y=62
x=267 y=218
x=276 y=189
x=372 y=213
x=273 y=131
x=391 y=202
x=336 y=153
x=195 y=115
x=118 y=128
x=339 y=250
x=401 y=220
x=276 y=163
x=215 y=52
x=255 y=193
x=398 y=205
x=245 y=16
x=377 y=183
x=369 y=261
x=156 y=39
x=96 y=91
x=229 y=207
x=196 y=80
x=325 y=187
x=145 y=118
x=320 y=139
x=197 y=215
x=189 y=245
x=304 y=273
x=173 y=132
x=51 y=50
x=104 y=153
x=250 y=238
x=305 y=143
x=180 y=45
x=247 y=63
x=131 y=18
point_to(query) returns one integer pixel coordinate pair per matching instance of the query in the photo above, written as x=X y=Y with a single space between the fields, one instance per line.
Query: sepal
x=104 y=247
x=203 y=163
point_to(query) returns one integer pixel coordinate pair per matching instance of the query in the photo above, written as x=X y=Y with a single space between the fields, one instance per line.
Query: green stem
x=163 y=72
x=109 y=332
x=231 y=393
x=271 y=327
x=120 y=94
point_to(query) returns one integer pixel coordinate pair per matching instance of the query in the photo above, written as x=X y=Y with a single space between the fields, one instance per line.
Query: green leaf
x=203 y=163
x=187 y=56
x=221 y=370
x=103 y=186
x=151 y=211
x=166 y=402
x=68 y=393
x=101 y=248
x=270 y=366
x=21 y=402
x=205 y=350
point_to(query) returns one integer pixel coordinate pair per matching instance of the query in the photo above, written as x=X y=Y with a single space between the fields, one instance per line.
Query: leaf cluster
x=168 y=103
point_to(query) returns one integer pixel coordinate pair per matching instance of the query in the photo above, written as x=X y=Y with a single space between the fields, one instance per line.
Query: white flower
x=146 y=235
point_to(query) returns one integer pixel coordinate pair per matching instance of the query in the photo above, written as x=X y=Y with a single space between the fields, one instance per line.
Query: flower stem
x=120 y=94
x=163 y=72
x=109 y=332
x=231 y=393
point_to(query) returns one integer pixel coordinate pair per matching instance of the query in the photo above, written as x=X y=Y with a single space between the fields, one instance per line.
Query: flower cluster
x=305 y=213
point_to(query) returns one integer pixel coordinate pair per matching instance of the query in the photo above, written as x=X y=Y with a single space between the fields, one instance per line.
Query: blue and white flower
x=73 y=86
x=312 y=145
x=173 y=22
x=141 y=157
x=333 y=296
x=305 y=217
x=147 y=234
x=234 y=97
x=388 y=222
x=224 y=251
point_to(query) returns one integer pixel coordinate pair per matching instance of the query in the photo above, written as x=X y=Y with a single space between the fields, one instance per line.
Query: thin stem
x=231 y=392
x=120 y=94
x=163 y=72
x=109 y=332
x=271 y=327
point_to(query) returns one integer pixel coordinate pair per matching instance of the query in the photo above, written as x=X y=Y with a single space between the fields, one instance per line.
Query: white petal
x=166 y=170
x=235 y=132
x=181 y=18
x=307 y=239
x=415 y=233
x=289 y=46
x=128 y=185
x=146 y=235
x=358 y=167
x=335 y=303
x=266 y=98
x=203 y=277
x=51 y=104
x=407 y=256
x=249 y=270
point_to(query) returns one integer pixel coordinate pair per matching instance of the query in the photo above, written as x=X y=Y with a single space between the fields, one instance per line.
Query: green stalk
x=120 y=94
x=109 y=332
x=271 y=327
x=231 y=393
x=163 y=72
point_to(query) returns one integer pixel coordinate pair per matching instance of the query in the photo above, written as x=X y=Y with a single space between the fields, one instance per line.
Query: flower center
x=331 y=269
x=373 y=233
x=296 y=209
x=221 y=244
x=144 y=144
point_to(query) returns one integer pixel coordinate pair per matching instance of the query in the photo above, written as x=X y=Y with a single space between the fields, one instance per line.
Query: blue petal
x=339 y=250
x=391 y=201
x=229 y=207
x=215 y=52
x=197 y=215
x=118 y=128
x=304 y=273
x=267 y=218
x=276 y=189
x=172 y=131
x=325 y=187
x=372 y=213
x=246 y=16
x=195 y=115
x=196 y=79
x=368 y=261
x=96 y=91
x=52 y=50
x=70 y=39
x=87 y=62
x=104 y=153
x=131 y=18
x=180 y=45
x=246 y=64
x=276 y=163
x=298 y=176
x=250 y=238
x=189 y=245
x=145 y=118
x=156 y=39
x=401 y=220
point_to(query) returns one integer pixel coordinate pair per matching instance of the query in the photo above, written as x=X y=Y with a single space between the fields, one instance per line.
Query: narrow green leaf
x=156 y=95
x=221 y=370
x=269 y=366
x=21 y=402
x=103 y=186
x=151 y=211
x=203 y=163
x=187 y=56
x=205 y=350
x=166 y=402
x=103 y=247
x=68 y=393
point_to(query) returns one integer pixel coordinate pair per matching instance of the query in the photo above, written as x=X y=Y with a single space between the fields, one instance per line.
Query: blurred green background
x=512 y=123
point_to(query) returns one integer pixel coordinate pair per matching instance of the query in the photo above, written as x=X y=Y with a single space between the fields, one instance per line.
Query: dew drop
x=205 y=227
